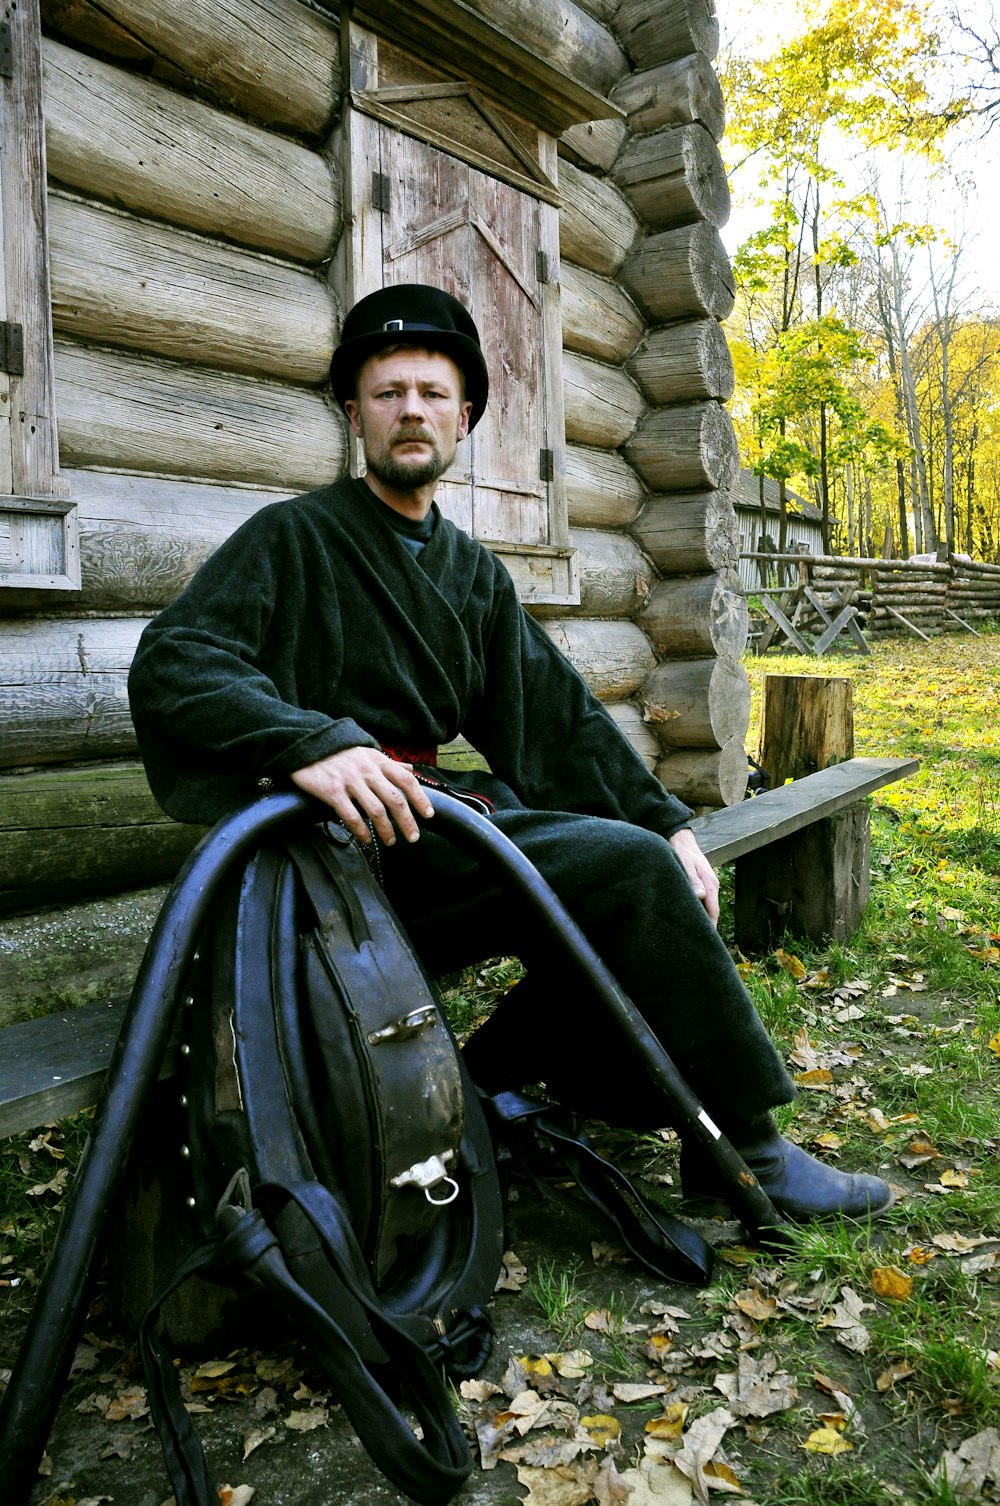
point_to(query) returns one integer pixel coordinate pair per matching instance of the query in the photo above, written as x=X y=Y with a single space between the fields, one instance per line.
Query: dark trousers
x=629 y=894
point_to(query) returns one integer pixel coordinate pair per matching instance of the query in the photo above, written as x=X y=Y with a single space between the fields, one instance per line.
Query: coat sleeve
x=545 y=734
x=210 y=721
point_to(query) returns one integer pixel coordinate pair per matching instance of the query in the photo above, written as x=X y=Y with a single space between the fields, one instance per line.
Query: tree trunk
x=808 y=724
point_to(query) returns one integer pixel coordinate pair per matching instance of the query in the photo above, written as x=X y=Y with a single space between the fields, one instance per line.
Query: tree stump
x=808 y=724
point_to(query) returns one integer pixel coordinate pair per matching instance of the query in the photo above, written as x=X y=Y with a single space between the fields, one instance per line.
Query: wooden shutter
x=38 y=547
x=445 y=192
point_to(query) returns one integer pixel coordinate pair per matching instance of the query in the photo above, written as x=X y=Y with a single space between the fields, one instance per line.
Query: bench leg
x=813 y=884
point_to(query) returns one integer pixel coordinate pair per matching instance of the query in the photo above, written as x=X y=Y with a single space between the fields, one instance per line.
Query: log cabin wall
x=196 y=201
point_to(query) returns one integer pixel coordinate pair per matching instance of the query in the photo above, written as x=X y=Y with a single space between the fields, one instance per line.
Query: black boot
x=800 y=1187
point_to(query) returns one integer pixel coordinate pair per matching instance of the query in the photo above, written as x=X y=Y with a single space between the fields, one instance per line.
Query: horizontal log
x=597 y=225
x=129 y=413
x=126 y=282
x=684 y=362
x=598 y=318
x=975 y=568
x=714 y=776
x=63 y=689
x=698 y=703
x=613 y=657
x=602 y=489
x=689 y=533
x=275 y=60
x=677 y=93
x=698 y=616
x=674 y=177
x=74 y=833
x=653 y=34
x=564 y=34
x=687 y=448
x=615 y=576
x=148 y=149
x=639 y=734
x=603 y=404
x=681 y=274
x=596 y=143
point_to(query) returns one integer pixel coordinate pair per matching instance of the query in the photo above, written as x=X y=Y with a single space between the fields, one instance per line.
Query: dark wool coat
x=314 y=629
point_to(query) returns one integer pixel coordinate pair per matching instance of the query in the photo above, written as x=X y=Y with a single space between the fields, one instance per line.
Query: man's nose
x=413 y=404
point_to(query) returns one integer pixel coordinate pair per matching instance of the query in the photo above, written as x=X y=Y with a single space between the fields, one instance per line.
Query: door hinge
x=380 y=192
x=11 y=348
x=542 y=266
x=546 y=465
x=6 y=49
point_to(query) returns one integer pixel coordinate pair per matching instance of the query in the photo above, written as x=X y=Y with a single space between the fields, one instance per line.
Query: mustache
x=408 y=432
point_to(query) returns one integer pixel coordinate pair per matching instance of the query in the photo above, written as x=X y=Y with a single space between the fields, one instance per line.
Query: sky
x=969 y=210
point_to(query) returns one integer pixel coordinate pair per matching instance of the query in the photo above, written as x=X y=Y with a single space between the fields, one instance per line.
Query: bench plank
x=54 y=1066
x=725 y=835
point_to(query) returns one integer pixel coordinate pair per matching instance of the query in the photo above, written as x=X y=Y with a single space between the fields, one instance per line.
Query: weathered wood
x=552 y=64
x=54 y=1067
x=697 y=616
x=639 y=734
x=908 y=623
x=63 y=689
x=597 y=225
x=29 y=456
x=594 y=144
x=690 y=533
x=674 y=177
x=669 y=29
x=680 y=274
x=685 y=448
x=808 y=724
x=677 y=93
x=698 y=703
x=603 y=404
x=726 y=835
x=126 y=282
x=78 y=833
x=602 y=490
x=275 y=60
x=613 y=657
x=135 y=414
x=598 y=318
x=814 y=885
x=705 y=776
x=615 y=576
x=684 y=362
x=148 y=149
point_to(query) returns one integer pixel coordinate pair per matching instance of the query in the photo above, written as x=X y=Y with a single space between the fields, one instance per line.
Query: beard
x=408 y=474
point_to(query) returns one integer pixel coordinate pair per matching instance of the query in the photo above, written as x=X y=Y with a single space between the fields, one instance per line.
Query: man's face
x=411 y=411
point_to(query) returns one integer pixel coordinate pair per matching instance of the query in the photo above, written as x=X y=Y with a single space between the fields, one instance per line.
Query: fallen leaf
x=631 y=1391
x=700 y=1443
x=571 y=1364
x=603 y=1428
x=890 y=1282
x=994 y=1044
x=758 y=1388
x=128 y=1404
x=819 y=1077
x=236 y=1495
x=214 y=1368
x=308 y=1420
x=255 y=1438
x=967 y=1469
x=513 y=1273
x=826 y=1441
x=897 y=1371
x=478 y=1390
x=720 y=1477
x=953 y=1178
x=670 y=1423
x=753 y=1302
x=567 y=1485
x=792 y=965
x=657 y=1483
x=546 y=1452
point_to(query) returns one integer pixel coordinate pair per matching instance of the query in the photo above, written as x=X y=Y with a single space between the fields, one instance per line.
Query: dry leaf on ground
x=827 y=1441
x=890 y=1282
x=970 y=1465
x=758 y=1388
x=701 y=1441
x=569 y=1485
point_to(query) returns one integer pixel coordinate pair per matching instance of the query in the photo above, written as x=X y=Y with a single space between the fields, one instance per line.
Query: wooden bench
x=801 y=855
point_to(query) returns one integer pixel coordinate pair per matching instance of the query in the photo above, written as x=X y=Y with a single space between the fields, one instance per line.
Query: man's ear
x=465 y=412
x=353 y=411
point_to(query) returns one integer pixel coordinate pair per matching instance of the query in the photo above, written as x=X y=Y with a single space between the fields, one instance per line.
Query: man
x=338 y=638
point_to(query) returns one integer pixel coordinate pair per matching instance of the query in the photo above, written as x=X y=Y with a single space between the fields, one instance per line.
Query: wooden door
x=446 y=193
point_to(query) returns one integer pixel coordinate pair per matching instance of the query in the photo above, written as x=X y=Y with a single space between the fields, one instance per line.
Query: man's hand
x=362 y=782
x=704 y=879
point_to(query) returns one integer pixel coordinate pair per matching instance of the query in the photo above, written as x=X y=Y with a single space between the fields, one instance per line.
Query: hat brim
x=348 y=359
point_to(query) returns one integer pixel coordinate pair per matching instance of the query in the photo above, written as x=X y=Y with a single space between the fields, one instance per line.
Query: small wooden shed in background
x=192 y=194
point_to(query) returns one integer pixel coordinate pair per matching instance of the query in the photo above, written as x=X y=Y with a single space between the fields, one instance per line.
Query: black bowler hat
x=411 y=313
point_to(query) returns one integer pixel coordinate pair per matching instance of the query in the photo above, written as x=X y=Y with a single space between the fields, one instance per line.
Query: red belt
x=426 y=756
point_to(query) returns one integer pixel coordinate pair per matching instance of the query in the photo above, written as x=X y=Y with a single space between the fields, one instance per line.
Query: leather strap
x=543 y=1135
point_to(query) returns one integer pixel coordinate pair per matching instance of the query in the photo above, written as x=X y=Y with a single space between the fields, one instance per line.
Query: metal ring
x=442 y=1202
